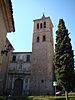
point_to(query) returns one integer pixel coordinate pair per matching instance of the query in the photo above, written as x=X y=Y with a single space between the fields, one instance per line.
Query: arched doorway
x=18 y=86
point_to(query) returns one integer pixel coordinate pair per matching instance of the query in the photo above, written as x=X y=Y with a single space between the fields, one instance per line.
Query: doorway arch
x=18 y=87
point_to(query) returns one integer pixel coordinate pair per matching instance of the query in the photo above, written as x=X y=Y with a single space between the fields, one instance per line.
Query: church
x=32 y=73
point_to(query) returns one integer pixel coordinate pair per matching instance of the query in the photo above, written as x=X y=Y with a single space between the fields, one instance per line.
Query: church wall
x=34 y=69
x=3 y=33
x=20 y=69
x=4 y=22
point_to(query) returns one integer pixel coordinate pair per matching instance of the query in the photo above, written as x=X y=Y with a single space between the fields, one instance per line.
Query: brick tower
x=42 y=57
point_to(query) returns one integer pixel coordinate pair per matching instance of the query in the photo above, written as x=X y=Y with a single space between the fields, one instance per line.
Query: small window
x=44 y=24
x=42 y=81
x=44 y=38
x=37 y=25
x=14 y=58
x=41 y=25
x=28 y=58
x=38 y=39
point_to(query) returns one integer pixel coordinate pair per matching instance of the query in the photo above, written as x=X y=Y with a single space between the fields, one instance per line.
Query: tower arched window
x=40 y=25
x=44 y=38
x=38 y=39
x=44 y=24
x=37 y=25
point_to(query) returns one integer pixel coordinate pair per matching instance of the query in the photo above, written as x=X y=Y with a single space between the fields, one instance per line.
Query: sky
x=25 y=11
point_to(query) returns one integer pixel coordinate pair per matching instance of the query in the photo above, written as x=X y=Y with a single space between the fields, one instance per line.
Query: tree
x=64 y=58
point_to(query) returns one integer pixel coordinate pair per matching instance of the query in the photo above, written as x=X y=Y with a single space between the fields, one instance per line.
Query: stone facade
x=31 y=73
x=6 y=25
x=5 y=63
x=19 y=72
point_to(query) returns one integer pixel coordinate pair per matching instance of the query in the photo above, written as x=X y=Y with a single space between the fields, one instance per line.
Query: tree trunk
x=66 y=95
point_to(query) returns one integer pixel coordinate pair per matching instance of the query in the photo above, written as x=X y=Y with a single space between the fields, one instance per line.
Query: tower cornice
x=43 y=20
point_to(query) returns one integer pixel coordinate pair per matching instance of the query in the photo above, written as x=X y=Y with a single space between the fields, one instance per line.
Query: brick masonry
x=42 y=58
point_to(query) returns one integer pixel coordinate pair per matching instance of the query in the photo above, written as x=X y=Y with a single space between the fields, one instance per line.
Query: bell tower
x=42 y=57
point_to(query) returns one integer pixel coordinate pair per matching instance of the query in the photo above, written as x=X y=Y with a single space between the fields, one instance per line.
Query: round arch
x=18 y=86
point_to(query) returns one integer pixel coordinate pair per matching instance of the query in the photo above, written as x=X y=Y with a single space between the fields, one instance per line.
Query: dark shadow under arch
x=18 y=87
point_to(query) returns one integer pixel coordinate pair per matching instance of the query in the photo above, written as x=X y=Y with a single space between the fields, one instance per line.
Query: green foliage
x=2 y=98
x=42 y=98
x=71 y=97
x=64 y=58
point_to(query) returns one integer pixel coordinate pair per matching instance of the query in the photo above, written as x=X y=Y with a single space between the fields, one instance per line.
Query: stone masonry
x=42 y=57
x=6 y=25
x=35 y=75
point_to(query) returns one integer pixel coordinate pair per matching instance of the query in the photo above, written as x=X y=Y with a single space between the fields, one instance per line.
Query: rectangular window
x=14 y=58
x=38 y=39
x=44 y=38
x=28 y=58
x=37 y=25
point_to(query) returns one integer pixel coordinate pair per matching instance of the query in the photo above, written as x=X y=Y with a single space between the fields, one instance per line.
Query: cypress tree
x=64 y=58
